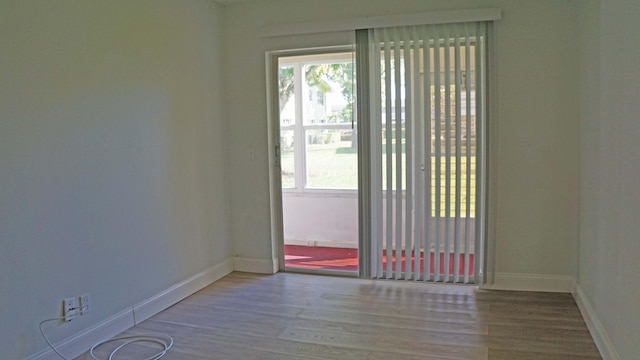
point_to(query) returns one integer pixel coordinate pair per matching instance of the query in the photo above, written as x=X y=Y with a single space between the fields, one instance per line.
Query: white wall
x=609 y=171
x=320 y=219
x=112 y=157
x=536 y=134
x=331 y=220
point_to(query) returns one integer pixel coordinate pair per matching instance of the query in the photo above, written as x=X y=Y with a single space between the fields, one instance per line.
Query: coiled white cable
x=165 y=341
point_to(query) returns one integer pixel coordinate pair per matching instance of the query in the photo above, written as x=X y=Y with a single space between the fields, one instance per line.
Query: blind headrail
x=373 y=22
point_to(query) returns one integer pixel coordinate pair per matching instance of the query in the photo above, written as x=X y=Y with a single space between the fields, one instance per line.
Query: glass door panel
x=319 y=162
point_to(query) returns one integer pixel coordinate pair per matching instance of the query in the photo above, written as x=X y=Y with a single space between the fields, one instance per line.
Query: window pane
x=286 y=80
x=287 y=103
x=330 y=89
x=287 y=157
x=332 y=159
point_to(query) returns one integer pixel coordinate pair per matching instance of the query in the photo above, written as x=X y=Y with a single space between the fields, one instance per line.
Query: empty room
x=328 y=179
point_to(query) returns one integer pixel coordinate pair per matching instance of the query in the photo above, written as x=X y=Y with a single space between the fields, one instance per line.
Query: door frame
x=487 y=249
x=275 y=170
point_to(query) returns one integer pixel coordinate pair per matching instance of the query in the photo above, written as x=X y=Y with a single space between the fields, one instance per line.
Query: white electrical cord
x=165 y=341
x=45 y=337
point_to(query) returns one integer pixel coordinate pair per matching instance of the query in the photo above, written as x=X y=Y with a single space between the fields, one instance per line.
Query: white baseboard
x=155 y=304
x=125 y=319
x=259 y=266
x=532 y=282
x=600 y=337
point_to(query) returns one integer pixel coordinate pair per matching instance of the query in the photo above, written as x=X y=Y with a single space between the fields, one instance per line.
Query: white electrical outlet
x=85 y=304
x=69 y=308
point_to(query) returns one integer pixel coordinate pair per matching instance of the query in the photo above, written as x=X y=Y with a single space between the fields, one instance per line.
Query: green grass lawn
x=335 y=166
x=329 y=166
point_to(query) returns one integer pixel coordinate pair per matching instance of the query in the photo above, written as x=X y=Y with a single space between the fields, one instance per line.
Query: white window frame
x=296 y=59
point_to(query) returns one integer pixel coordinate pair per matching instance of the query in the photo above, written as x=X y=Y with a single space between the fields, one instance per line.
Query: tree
x=321 y=76
x=285 y=85
x=343 y=75
x=314 y=76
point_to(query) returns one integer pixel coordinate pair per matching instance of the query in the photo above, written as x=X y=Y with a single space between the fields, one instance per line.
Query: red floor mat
x=316 y=257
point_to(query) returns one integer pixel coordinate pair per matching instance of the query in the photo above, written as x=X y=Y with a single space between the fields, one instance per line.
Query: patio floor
x=345 y=259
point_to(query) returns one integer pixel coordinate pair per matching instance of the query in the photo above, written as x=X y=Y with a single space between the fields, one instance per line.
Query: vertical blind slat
x=447 y=150
x=398 y=147
x=388 y=155
x=467 y=223
x=458 y=175
x=438 y=150
x=419 y=153
x=408 y=230
x=376 y=155
x=427 y=151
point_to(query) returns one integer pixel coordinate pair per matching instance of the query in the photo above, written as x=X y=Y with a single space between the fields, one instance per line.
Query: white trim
x=274 y=151
x=351 y=24
x=78 y=344
x=322 y=243
x=179 y=291
x=599 y=334
x=532 y=282
x=253 y=265
x=320 y=193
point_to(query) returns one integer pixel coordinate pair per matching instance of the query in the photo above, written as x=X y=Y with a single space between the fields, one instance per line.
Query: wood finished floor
x=293 y=316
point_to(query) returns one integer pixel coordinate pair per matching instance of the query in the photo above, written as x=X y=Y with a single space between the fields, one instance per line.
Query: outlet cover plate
x=85 y=304
x=69 y=308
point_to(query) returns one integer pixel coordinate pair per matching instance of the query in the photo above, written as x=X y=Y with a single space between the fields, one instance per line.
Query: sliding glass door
x=398 y=194
x=426 y=105
x=318 y=161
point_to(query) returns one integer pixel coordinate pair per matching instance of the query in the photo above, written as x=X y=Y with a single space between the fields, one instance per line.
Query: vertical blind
x=426 y=109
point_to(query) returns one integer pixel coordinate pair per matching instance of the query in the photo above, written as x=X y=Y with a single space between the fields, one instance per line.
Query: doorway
x=317 y=160
x=401 y=196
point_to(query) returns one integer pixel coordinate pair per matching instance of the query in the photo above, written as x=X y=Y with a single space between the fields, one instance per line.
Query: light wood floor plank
x=295 y=316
